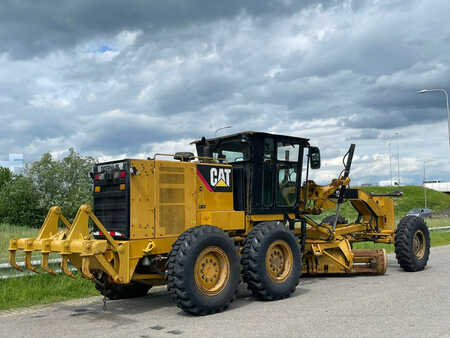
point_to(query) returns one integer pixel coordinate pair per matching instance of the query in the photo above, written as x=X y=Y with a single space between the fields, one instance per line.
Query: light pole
x=215 y=133
x=424 y=179
x=398 y=160
x=424 y=189
x=446 y=101
x=390 y=162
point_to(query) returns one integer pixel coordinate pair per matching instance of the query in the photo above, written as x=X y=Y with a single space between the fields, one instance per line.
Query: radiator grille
x=171 y=200
x=172 y=218
x=172 y=178
x=172 y=169
x=171 y=195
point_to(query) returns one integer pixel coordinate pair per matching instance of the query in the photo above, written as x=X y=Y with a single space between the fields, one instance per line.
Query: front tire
x=412 y=243
x=271 y=261
x=203 y=270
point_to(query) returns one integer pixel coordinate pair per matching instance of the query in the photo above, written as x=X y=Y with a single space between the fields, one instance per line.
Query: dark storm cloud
x=112 y=77
x=29 y=28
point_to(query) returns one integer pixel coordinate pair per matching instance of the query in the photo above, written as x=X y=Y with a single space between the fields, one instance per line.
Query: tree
x=65 y=182
x=6 y=176
x=19 y=203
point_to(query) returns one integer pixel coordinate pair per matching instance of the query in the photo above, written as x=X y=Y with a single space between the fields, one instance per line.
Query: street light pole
x=446 y=101
x=424 y=177
x=424 y=180
x=390 y=162
x=398 y=160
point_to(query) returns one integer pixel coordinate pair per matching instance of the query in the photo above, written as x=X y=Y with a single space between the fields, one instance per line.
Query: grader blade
x=12 y=260
x=371 y=261
x=28 y=264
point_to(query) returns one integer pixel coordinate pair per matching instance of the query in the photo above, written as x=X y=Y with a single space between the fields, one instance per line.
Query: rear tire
x=203 y=270
x=412 y=243
x=122 y=291
x=271 y=261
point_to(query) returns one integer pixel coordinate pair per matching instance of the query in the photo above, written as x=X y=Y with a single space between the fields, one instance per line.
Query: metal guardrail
x=439 y=228
x=6 y=266
x=7 y=271
x=22 y=264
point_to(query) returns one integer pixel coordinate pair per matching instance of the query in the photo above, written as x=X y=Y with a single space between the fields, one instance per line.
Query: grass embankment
x=42 y=289
x=413 y=197
x=7 y=232
x=36 y=289
x=437 y=238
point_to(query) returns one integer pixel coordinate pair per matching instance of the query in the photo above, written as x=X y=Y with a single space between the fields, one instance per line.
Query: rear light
x=99 y=177
x=119 y=174
x=112 y=233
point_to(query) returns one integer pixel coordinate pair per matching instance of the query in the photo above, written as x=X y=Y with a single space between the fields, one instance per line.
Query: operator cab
x=267 y=168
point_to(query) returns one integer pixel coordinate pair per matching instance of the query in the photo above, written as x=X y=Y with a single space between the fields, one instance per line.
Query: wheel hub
x=279 y=261
x=211 y=270
x=419 y=244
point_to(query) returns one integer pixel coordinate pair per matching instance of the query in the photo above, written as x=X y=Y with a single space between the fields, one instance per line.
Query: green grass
x=42 y=289
x=437 y=238
x=7 y=232
x=438 y=222
x=413 y=197
x=36 y=289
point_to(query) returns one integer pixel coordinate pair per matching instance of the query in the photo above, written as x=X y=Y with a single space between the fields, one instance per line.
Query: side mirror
x=314 y=157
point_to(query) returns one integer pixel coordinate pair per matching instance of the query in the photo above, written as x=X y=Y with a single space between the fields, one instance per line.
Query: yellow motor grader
x=244 y=206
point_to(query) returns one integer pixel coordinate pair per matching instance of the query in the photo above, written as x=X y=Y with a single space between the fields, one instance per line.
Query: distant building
x=366 y=185
x=15 y=163
x=438 y=185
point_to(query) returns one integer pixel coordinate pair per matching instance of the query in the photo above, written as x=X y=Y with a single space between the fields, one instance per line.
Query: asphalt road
x=393 y=305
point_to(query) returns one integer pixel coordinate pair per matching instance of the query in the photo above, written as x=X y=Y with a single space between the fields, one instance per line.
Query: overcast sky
x=130 y=78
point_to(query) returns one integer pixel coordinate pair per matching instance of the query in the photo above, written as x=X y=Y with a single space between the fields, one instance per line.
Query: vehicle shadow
x=157 y=299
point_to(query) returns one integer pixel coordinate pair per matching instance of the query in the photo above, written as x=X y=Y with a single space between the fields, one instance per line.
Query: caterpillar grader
x=243 y=207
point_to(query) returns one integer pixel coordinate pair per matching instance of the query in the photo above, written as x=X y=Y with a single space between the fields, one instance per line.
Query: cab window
x=287 y=166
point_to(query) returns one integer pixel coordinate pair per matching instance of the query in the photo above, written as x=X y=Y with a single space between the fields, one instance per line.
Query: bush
x=19 y=203
x=25 y=200
x=6 y=176
x=65 y=183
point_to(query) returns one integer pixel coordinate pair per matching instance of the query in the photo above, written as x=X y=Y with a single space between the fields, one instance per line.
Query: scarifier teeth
x=28 y=264
x=85 y=269
x=65 y=267
x=44 y=264
x=12 y=260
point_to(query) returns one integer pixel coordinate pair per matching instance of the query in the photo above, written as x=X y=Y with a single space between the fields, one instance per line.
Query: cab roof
x=251 y=133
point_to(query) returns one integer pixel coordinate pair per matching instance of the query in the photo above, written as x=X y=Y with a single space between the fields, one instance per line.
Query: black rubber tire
x=330 y=220
x=254 y=266
x=122 y=291
x=180 y=270
x=404 y=236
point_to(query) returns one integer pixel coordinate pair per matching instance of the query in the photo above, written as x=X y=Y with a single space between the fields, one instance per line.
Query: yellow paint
x=221 y=183
x=168 y=197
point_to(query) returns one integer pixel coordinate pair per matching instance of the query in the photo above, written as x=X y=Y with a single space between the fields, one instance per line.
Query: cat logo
x=216 y=178
x=220 y=177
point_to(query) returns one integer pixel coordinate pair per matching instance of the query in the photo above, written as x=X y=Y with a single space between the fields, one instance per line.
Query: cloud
x=35 y=29
x=116 y=78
